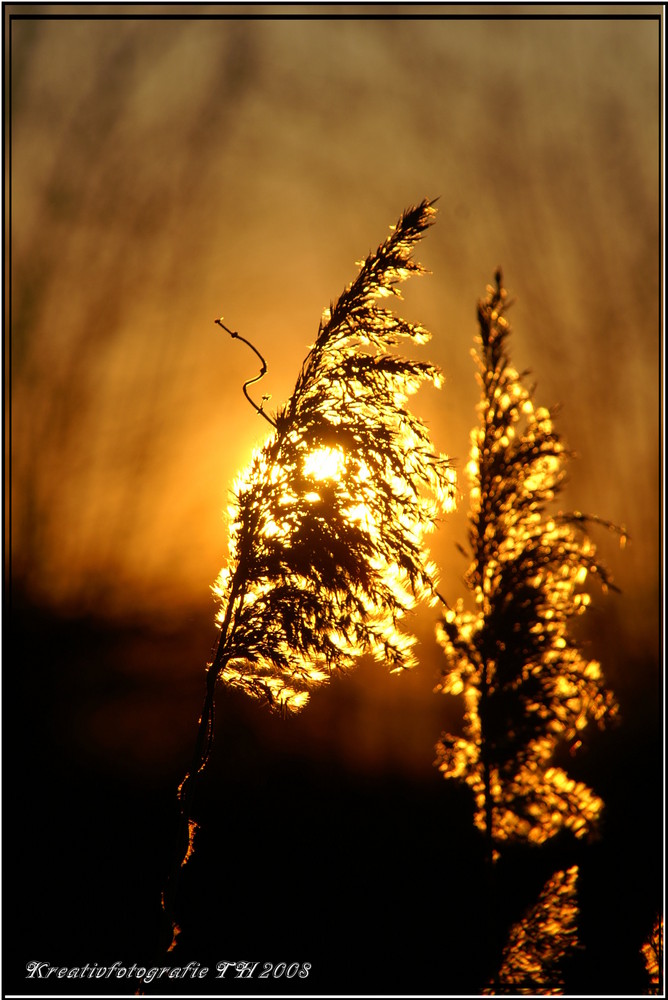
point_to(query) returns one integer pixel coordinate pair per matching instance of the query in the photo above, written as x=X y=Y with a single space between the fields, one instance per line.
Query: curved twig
x=250 y=381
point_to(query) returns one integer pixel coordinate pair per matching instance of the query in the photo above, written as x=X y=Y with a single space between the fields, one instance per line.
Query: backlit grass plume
x=528 y=688
x=539 y=944
x=652 y=952
x=327 y=526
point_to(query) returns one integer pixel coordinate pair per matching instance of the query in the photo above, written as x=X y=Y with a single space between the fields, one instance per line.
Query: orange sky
x=164 y=173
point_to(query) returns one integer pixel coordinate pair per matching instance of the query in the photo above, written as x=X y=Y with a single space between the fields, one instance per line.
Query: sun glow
x=326 y=551
x=325 y=463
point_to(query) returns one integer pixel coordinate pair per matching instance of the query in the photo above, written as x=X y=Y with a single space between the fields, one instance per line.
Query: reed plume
x=327 y=526
x=528 y=687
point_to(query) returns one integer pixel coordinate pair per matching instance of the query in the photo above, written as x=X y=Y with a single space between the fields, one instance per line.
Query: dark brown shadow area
x=375 y=877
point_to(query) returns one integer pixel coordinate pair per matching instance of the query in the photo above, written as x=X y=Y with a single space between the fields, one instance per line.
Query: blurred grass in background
x=165 y=172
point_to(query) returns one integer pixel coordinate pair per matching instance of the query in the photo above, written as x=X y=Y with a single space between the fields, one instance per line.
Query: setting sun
x=325 y=463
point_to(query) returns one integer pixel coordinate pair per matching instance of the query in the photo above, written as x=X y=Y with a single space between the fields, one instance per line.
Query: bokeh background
x=217 y=161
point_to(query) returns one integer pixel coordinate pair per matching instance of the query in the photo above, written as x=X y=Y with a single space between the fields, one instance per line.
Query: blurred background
x=168 y=170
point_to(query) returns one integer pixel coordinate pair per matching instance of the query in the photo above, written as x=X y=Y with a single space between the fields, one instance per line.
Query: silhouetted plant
x=652 y=951
x=526 y=684
x=326 y=532
x=540 y=942
x=327 y=526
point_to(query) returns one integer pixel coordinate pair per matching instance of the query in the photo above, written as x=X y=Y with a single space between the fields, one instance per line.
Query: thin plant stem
x=250 y=381
x=327 y=524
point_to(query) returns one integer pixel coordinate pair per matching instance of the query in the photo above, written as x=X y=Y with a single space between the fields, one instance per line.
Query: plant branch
x=250 y=381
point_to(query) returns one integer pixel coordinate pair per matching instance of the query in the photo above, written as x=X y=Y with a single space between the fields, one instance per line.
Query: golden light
x=324 y=463
x=326 y=548
x=652 y=952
